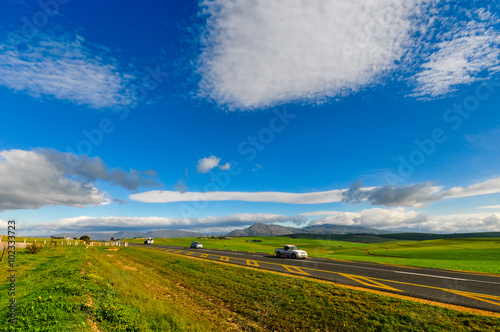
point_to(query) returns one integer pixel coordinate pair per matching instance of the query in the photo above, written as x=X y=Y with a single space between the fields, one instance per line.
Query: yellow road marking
x=189 y=253
x=204 y=255
x=342 y=260
x=479 y=297
x=224 y=258
x=368 y=282
x=295 y=269
x=252 y=263
x=252 y=252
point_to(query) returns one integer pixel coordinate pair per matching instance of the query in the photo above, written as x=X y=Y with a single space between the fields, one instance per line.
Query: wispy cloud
x=496 y=207
x=260 y=53
x=163 y=196
x=319 y=213
x=487 y=140
x=471 y=53
x=66 y=68
x=32 y=179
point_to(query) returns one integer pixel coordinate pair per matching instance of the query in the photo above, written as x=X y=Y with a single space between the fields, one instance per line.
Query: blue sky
x=214 y=115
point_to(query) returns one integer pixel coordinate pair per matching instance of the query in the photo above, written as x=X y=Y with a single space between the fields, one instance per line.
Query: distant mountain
x=260 y=229
x=341 y=229
x=167 y=233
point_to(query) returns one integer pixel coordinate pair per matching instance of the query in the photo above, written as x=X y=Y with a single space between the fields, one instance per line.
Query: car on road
x=196 y=245
x=149 y=240
x=291 y=251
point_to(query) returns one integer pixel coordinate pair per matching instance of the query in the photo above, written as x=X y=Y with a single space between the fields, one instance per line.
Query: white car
x=290 y=251
x=196 y=245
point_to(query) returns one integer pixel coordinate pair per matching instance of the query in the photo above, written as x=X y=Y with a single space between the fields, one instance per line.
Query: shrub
x=85 y=238
x=34 y=248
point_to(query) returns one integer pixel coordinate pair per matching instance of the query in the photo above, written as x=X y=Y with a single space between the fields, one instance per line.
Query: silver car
x=196 y=245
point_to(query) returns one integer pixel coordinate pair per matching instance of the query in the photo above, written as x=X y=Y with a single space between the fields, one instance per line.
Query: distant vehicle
x=196 y=245
x=149 y=240
x=290 y=251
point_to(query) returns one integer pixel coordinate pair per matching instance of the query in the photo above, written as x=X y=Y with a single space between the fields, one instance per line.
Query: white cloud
x=401 y=219
x=118 y=223
x=67 y=69
x=205 y=165
x=497 y=207
x=319 y=213
x=375 y=217
x=487 y=187
x=460 y=223
x=460 y=60
x=32 y=179
x=415 y=195
x=225 y=167
x=163 y=196
x=28 y=180
x=260 y=53
x=390 y=219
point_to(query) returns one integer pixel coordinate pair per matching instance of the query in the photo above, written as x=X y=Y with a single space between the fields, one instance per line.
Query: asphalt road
x=468 y=289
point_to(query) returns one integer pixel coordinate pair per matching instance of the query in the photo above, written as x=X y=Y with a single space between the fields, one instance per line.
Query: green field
x=473 y=254
x=74 y=288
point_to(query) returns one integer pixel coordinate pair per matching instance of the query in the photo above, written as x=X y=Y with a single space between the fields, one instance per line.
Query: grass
x=480 y=255
x=473 y=254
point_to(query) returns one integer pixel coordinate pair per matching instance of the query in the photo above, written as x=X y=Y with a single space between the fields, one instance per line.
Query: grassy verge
x=49 y=291
x=474 y=254
x=136 y=289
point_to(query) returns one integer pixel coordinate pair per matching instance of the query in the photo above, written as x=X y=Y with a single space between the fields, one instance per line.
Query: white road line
x=442 y=277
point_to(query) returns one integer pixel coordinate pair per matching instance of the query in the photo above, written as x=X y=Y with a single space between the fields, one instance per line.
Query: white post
x=99 y=244
x=44 y=241
x=62 y=242
x=35 y=241
x=24 y=240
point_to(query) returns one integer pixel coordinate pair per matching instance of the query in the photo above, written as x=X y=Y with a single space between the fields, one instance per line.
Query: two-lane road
x=468 y=289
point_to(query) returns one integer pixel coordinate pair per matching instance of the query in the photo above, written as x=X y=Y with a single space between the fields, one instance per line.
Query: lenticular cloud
x=260 y=53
